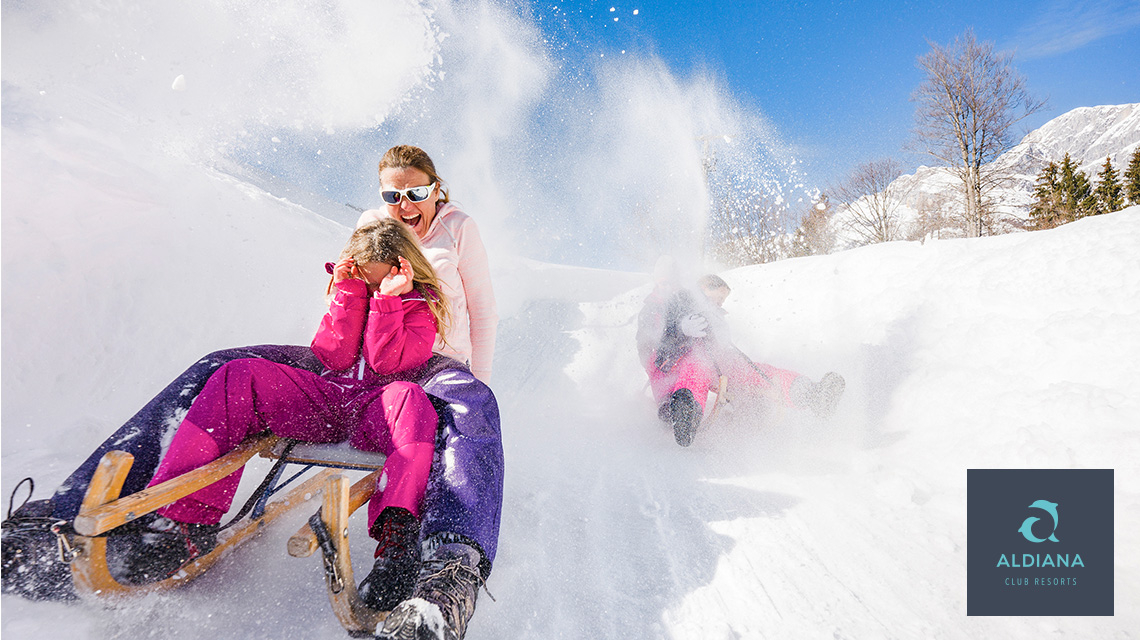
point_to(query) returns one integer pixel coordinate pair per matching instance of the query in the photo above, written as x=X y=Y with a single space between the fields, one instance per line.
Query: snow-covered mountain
x=1087 y=134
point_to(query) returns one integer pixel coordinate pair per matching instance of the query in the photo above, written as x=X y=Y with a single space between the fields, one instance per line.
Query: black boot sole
x=685 y=414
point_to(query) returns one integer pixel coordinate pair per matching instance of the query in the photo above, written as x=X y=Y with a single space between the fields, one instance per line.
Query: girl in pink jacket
x=386 y=311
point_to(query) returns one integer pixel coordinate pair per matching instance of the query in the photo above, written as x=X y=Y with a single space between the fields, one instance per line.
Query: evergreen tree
x=1046 y=210
x=1109 y=193
x=1077 y=199
x=1132 y=178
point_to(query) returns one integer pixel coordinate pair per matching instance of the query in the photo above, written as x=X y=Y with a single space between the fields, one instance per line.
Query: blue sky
x=835 y=78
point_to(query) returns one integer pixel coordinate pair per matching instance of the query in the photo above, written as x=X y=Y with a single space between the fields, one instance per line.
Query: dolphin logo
x=1026 y=528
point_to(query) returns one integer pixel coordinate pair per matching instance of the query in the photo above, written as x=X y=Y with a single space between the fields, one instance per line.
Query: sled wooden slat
x=304 y=543
x=107 y=481
x=353 y=615
x=721 y=400
x=94 y=519
x=92 y=576
x=336 y=455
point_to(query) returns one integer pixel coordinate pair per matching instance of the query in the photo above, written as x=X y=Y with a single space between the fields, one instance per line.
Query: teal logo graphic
x=1027 y=526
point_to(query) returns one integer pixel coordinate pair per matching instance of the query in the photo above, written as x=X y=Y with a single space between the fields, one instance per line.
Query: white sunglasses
x=413 y=194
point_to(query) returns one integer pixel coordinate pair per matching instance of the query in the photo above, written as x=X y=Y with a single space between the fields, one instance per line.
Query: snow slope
x=1013 y=351
x=125 y=257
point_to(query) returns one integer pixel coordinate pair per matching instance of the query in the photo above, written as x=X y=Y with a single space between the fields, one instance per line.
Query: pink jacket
x=392 y=333
x=455 y=250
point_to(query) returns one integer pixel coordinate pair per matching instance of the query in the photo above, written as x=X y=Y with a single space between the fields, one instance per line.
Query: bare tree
x=751 y=231
x=931 y=219
x=967 y=106
x=815 y=235
x=871 y=198
x=746 y=224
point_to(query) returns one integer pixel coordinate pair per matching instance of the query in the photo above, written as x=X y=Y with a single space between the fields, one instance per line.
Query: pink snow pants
x=248 y=396
x=698 y=372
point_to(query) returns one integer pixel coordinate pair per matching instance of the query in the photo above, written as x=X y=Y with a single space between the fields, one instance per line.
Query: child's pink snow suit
x=361 y=341
x=673 y=361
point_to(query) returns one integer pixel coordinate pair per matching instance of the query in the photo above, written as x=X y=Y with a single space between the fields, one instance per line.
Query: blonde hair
x=384 y=241
x=406 y=156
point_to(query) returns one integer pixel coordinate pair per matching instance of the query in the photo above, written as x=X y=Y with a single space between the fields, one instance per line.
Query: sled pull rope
x=12 y=498
x=259 y=492
x=328 y=552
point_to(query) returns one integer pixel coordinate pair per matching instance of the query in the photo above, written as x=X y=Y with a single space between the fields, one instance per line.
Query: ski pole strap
x=328 y=552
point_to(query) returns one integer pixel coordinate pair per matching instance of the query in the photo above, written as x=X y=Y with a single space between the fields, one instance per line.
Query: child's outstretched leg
x=401 y=422
x=239 y=400
x=242 y=398
x=682 y=392
x=143 y=436
x=791 y=389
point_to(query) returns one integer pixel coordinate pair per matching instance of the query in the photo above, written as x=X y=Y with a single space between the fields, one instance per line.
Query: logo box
x=1039 y=542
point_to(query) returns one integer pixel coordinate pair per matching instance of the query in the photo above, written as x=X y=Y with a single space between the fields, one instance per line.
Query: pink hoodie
x=455 y=249
x=393 y=333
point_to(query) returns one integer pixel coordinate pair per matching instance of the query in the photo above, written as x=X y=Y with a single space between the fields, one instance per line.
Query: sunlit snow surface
x=128 y=253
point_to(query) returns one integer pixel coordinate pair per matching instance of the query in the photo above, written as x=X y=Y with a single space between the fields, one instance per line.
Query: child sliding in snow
x=683 y=343
x=385 y=312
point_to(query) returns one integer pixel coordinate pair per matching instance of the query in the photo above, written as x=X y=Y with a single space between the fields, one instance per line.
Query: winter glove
x=694 y=325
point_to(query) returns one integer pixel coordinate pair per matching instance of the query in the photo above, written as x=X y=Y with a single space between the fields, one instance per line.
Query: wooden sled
x=103 y=510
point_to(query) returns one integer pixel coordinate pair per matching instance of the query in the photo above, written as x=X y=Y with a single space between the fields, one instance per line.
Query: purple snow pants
x=247 y=396
x=464 y=497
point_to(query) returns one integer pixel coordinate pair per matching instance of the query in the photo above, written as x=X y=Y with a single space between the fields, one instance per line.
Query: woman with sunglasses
x=463 y=502
x=415 y=194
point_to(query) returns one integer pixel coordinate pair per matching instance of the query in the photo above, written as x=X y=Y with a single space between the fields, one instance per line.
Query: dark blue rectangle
x=1039 y=542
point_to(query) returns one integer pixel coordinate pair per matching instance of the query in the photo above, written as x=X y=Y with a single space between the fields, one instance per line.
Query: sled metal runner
x=103 y=510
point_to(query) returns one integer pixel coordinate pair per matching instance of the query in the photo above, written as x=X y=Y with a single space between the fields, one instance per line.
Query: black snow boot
x=821 y=397
x=397 y=560
x=32 y=564
x=154 y=548
x=831 y=387
x=443 y=600
x=685 y=414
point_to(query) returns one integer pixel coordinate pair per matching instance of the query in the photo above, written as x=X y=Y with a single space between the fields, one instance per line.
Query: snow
x=127 y=253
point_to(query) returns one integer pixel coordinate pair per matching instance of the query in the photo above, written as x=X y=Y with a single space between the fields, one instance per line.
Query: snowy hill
x=1087 y=134
x=959 y=354
x=126 y=255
